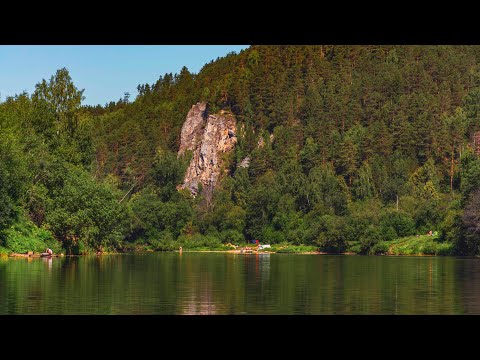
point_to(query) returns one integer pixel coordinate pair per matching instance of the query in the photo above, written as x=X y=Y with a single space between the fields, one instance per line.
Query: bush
x=355 y=247
x=371 y=237
x=297 y=249
x=428 y=248
x=271 y=236
x=402 y=224
x=164 y=242
x=3 y=252
x=332 y=234
x=200 y=242
x=380 y=248
x=444 y=249
x=85 y=210
x=388 y=233
x=25 y=236
x=232 y=237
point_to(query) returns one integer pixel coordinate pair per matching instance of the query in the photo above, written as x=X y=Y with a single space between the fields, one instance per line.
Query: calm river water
x=220 y=283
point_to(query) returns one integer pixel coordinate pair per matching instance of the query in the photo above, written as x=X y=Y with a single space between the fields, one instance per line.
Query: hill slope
x=344 y=143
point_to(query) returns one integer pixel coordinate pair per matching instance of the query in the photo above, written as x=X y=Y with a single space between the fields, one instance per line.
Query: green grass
x=287 y=248
x=209 y=248
x=354 y=247
x=24 y=236
x=422 y=245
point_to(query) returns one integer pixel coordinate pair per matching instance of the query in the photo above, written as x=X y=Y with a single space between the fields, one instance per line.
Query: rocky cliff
x=208 y=137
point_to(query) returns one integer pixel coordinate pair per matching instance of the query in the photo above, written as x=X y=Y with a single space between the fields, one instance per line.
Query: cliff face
x=209 y=137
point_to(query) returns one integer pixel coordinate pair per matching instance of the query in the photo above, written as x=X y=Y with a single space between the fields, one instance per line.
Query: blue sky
x=105 y=72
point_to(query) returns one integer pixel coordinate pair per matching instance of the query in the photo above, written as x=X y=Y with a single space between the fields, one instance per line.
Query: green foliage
x=444 y=249
x=63 y=97
x=327 y=191
x=421 y=245
x=85 y=212
x=331 y=237
x=24 y=236
x=380 y=248
x=166 y=173
x=349 y=147
x=3 y=252
x=469 y=241
x=369 y=239
x=152 y=216
x=200 y=242
x=286 y=248
x=364 y=186
x=424 y=182
x=470 y=173
x=401 y=223
x=12 y=179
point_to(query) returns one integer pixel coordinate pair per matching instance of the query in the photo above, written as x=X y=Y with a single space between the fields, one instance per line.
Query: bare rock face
x=192 y=128
x=209 y=137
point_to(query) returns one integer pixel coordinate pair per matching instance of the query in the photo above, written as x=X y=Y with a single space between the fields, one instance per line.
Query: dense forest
x=360 y=146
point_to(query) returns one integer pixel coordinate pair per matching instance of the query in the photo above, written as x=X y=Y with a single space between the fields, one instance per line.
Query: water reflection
x=48 y=261
x=206 y=283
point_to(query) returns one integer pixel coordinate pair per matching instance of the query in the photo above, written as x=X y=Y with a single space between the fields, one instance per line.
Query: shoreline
x=236 y=252
x=419 y=245
x=308 y=253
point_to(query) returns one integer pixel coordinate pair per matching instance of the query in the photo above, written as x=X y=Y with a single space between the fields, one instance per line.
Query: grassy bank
x=422 y=245
x=287 y=248
x=411 y=245
x=24 y=237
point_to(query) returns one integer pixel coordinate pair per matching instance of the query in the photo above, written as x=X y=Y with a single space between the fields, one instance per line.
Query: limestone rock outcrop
x=208 y=137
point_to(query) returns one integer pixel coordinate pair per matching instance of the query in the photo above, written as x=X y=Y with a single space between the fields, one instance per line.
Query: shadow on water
x=219 y=283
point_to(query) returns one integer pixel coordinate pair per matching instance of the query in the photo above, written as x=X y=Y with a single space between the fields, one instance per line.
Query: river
x=221 y=283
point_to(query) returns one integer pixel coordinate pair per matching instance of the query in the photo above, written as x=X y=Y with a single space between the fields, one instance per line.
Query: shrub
x=332 y=236
x=232 y=237
x=271 y=236
x=444 y=249
x=380 y=248
x=25 y=236
x=297 y=249
x=355 y=247
x=199 y=242
x=371 y=236
x=428 y=248
x=388 y=233
x=400 y=222
x=3 y=252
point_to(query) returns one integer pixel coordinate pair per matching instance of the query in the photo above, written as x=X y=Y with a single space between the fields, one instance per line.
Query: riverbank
x=422 y=245
x=34 y=255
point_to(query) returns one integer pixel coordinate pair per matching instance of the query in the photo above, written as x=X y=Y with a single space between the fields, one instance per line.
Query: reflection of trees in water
x=25 y=285
x=197 y=283
x=233 y=284
x=359 y=285
x=397 y=286
x=467 y=274
x=4 y=288
x=220 y=283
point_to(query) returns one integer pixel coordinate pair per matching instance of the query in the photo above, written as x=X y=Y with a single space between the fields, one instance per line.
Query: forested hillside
x=350 y=147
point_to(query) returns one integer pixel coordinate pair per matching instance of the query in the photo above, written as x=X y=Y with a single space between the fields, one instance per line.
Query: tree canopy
x=347 y=146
